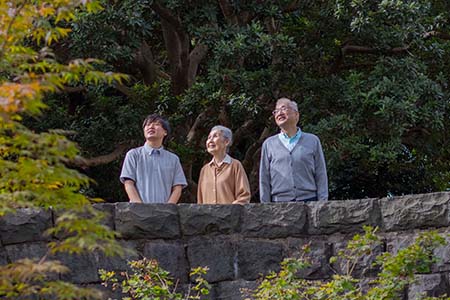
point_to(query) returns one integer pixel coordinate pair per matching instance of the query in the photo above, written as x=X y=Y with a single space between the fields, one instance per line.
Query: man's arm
x=321 y=173
x=132 y=192
x=175 y=194
x=264 y=176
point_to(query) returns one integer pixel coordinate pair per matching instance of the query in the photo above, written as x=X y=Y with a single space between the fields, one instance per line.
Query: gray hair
x=292 y=104
x=226 y=132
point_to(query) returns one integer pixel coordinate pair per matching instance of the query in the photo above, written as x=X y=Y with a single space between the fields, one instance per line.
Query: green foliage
x=33 y=166
x=29 y=278
x=149 y=281
x=397 y=271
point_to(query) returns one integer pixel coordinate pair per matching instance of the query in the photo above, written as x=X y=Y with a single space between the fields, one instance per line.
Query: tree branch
x=349 y=49
x=145 y=63
x=86 y=163
x=228 y=12
x=438 y=34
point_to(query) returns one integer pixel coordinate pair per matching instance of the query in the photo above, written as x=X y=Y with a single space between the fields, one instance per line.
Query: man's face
x=154 y=131
x=216 y=142
x=285 y=115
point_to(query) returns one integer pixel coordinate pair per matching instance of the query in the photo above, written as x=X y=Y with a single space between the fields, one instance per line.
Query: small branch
x=348 y=49
x=438 y=34
x=228 y=12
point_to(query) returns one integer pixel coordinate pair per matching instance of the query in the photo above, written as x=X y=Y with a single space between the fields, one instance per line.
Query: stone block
x=29 y=250
x=235 y=290
x=218 y=254
x=415 y=211
x=82 y=268
x=318 y=256
x=258 y=257
x=209 y=219
x=431 y=285
x=117 y=263
x=147 y=221
x=171 y=256
x=327 y=217
x=364 y=264
x=3 y=256
x=25 y=225
x=109 y=210
x=274 y=220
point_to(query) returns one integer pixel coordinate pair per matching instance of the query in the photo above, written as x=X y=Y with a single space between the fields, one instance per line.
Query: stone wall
x=239 y=243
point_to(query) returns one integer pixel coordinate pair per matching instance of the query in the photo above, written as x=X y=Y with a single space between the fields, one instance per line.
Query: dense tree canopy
x=370 y=77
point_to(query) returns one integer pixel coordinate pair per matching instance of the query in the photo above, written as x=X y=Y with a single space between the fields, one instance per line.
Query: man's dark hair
x=157 y=118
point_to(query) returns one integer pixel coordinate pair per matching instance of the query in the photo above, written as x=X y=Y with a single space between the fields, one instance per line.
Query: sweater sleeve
x=321 y=173
x=264 y=176
x=242 y=187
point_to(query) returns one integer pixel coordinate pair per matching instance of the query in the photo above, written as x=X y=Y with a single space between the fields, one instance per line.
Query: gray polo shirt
x=155 y=172
x=297 y=174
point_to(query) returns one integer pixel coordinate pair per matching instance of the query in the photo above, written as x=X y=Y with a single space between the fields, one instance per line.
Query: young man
x=150 y=173
x=292 y=164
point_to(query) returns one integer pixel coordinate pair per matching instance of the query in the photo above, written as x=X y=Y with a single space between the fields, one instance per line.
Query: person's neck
x=290 y=131
x=155 y=144
x=219 y=157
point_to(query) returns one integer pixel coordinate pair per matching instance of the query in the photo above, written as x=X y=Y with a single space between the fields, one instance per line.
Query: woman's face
x=216 y=143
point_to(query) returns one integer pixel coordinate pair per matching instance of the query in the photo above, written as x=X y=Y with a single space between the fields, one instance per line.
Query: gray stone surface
x=109 y=210
x=431 y=285
x=274 y=220
x=209 y=219
x=235 y=290
x=318 y=255
x=327 y=217
x=363 y=265
x=147 y=221
x=218 y=254
x=258 y=257
x=3 y=256
x=117 y=263
x=171 y=256
x=27 y=250
x=82 y=268
x=25 y=225
x=415 y=211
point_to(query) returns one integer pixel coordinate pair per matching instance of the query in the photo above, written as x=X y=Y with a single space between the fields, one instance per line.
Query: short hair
x=292 y=104
x=226 y=132
x=157 y=118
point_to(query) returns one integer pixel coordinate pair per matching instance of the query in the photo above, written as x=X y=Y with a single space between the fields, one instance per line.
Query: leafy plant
x=397 y=271
x=149 y=281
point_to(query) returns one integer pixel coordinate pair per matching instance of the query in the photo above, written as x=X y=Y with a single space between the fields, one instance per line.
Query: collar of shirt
x=226 y=160
x=290 y=142
x=151 y=150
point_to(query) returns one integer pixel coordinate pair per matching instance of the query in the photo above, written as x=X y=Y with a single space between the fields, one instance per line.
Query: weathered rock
x=318 y=256
x=107 y=292
x=431 y=285
x=171 y=257
x=235 y=290
x=274 y=220
x=257 y=257
x=326 y=217
x=218 y=254
x=25 y=225
x=27 y=250
x=109 y=210
x=149 y=221
x=415 y=211
x=209 y=219
x=117 y=263
x=82 y=268
x=3 y=256
x=364 y=265
x=397 y=241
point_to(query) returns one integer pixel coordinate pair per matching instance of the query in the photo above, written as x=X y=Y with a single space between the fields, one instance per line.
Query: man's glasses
x=281 y=109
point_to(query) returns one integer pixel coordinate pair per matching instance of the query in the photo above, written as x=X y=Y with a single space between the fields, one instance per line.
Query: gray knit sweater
x=292 y=175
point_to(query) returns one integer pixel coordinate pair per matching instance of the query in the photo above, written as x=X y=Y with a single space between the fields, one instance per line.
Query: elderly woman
x=223 y=179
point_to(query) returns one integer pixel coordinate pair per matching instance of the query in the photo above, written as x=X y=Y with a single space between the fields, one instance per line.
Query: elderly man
x=292 y=164
x=150 y=173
